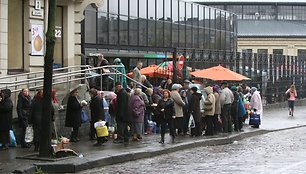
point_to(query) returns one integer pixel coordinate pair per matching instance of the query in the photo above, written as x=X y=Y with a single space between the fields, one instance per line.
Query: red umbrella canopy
x=153 y=71
x=219 y=73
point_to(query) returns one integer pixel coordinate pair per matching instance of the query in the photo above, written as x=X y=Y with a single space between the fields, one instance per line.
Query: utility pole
x=45 y=134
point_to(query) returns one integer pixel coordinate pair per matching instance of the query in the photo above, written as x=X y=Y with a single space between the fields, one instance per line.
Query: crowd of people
x=182 y=108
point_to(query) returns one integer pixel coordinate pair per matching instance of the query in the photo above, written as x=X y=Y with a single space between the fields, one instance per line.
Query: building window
x=102 y=28
x=124 y=30
x=250 y=12
x=90 y=20
x=113 y=29
x=278 y=51
x=285 y=12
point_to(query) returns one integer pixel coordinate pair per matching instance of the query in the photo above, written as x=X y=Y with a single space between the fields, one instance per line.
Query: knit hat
x=253 y=89
x=194 y=89
x=117 y=61
x=234 y=88
x=176 y=86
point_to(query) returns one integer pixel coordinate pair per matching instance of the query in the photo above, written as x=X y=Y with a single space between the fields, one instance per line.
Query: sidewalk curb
x=91 y=161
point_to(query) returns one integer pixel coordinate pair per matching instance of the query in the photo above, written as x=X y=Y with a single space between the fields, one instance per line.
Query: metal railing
x=66 y=76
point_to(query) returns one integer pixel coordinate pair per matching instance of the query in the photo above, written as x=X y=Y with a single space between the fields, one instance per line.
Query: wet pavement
x=272 y=120
x=280 y=152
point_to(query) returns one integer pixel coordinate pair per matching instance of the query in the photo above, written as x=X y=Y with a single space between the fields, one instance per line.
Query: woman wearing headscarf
x=73 y=115
x=6 y=117
x=209 y=110
x=23 y=112
x=255 y=103
x=138 y=110
x=120 y=78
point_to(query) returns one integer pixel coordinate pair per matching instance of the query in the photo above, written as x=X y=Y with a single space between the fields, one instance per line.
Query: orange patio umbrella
x=219 y=73
x=153 y=71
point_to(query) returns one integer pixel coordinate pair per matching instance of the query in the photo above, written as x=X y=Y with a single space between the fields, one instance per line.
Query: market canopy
x=154 y=71
x=219 y=73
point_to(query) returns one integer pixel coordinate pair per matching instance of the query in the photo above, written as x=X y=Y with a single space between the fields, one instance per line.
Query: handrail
x=70 y=76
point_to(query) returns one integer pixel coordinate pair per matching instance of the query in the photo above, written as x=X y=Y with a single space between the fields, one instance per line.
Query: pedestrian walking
x=291 y=96
x=73 y=115
x=165 y=111
x=23 y=112
x=6 y=117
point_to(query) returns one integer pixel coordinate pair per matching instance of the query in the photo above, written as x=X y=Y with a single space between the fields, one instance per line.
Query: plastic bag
x=29 y=134
x=12 y=139
x=84 y=117
x=191 y=123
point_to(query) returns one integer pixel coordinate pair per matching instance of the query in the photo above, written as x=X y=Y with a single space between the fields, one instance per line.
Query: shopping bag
x=254 y=119
x=12 y=139
x=84 y=117
x=191 y=123
x=29 y=134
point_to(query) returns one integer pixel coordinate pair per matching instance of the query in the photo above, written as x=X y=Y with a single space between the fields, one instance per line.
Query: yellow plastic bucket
x=102 y=131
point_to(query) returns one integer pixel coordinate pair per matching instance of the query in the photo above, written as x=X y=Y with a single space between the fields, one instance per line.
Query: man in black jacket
x=122 y=114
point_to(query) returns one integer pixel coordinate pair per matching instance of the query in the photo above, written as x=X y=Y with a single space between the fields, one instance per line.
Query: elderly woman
x=6 y=116
x=73 y=115
x=255 y=103
x=138 y=110
x=178 y=107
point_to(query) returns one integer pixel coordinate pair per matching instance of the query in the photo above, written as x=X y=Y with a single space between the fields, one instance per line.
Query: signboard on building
x=37 y=41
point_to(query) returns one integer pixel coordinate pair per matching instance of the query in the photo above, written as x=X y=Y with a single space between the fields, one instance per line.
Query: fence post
x=174 y=77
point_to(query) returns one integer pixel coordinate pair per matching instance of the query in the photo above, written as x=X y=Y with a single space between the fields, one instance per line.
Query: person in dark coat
x=194 y=109
x=36 y=115
x=165 y=108
x=97 y=113
x=6 y=117
x=23 y=111
x=122 y=114
x=73 y=115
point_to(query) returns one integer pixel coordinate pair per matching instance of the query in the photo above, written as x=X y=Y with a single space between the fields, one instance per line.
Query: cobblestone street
x=279 y=152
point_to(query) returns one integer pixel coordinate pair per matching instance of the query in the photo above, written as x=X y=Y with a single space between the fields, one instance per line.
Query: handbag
x=29 y=134
x=254 y=119
x=84 y=116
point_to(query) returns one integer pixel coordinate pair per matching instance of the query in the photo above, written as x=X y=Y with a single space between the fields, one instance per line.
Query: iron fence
x=272 y=74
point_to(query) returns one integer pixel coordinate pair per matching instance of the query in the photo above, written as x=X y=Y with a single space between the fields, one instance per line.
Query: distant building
x=267 y=27
x=147 y=30
x=23 y=25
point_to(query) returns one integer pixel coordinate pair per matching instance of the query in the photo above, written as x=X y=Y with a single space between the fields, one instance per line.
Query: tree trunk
x=45 y=134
